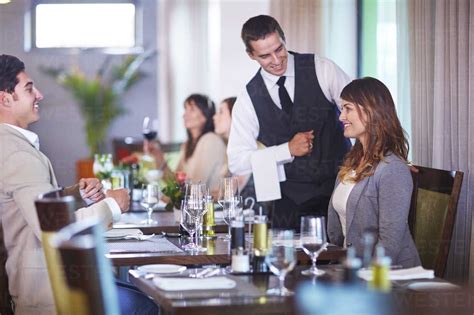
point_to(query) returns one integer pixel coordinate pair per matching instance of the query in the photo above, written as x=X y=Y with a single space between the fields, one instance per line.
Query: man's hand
x=91 y=188
x=121 y=196
x=302 y=143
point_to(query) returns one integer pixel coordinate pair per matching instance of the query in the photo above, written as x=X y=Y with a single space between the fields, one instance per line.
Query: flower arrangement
x=175 y=189
x=99 y=97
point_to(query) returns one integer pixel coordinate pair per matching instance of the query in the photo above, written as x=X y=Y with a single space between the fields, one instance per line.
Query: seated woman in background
x=222 y=122
x=202 y=156
x=374 y=186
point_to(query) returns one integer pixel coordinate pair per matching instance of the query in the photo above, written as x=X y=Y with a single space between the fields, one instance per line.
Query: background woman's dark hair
x=208 y=109
x=230 y=101
x=10 y=67
x=384 y=132
x=258 y=27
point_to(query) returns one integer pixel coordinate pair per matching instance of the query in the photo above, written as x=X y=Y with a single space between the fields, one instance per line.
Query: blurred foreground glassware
x=281 y=258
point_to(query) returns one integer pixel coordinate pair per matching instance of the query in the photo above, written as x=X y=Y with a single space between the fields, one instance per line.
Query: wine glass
x=150 y=128
x=228 y=192
x=233 y=210
x=196 y=207
x=313 y=240
x=281 y=258
x=150 y=198
x=188 y=223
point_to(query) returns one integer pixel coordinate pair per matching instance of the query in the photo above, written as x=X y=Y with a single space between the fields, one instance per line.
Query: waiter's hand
x=302 y=143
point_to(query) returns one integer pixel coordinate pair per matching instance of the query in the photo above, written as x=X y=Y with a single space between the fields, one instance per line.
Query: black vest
x=307 y=176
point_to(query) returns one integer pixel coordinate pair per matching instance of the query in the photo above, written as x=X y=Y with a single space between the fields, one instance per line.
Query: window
x=85 y=25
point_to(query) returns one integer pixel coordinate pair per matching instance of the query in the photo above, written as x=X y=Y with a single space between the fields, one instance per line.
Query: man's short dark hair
x=259 y=27
x=10 y=67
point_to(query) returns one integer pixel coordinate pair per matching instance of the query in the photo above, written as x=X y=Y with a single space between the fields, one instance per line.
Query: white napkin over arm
x=268 y=171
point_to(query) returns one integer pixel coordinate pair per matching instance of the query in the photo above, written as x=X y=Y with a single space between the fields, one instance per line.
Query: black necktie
x=285 y=99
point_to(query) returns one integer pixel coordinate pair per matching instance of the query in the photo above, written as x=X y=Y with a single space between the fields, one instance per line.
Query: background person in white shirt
x=290 y=106
x=25 y=172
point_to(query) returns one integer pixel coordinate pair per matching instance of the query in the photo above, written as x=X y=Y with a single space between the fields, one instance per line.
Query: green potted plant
x=99 y=97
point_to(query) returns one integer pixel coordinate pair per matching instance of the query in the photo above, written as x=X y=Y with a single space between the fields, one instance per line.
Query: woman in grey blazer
x=374 y=186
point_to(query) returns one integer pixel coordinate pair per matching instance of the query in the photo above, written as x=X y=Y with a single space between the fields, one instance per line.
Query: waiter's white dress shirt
x=245 y=127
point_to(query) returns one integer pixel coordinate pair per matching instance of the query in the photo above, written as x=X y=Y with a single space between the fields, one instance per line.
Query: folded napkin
x=401 y=274
x=182 y=284
x=122 y=233
x=266 y=175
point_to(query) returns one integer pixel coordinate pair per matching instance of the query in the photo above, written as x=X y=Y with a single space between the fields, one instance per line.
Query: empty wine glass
x=227 y=197
x=233 y=210
x=281 y=258
x=313 y=240
x=150 y=198
x=188 y=223
x=196 y=207
x=150 y=128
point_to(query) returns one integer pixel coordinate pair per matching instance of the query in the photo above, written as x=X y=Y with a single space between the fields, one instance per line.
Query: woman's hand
x=153 y=148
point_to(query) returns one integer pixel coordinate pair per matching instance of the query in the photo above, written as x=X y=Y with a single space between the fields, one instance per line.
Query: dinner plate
x=432 y=286
x=162 y=268
x=121 y=233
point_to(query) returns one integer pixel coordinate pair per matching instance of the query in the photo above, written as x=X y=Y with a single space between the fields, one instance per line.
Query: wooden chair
x=54 y=213
x=89 y=274
x=432 y=214
x=5 y=298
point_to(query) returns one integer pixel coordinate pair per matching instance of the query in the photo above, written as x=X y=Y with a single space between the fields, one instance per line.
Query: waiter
x=291 y=107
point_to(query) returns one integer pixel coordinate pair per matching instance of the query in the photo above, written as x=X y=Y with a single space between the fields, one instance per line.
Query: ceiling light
x=5 y=1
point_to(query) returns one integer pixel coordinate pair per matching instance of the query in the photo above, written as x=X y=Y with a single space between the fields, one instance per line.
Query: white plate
x=121 y=233
x=162 y=268
x=432 y=286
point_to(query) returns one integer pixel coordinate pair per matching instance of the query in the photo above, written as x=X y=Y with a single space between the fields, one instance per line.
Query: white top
x=245 y=127
x=33 y=138
x=339 y=202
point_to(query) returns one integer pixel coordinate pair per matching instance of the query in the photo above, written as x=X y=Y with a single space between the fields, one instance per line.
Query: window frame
x=30 y=31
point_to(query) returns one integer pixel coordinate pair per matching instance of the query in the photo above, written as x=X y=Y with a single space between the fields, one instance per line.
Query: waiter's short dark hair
x=258 y=27
x=10 y=67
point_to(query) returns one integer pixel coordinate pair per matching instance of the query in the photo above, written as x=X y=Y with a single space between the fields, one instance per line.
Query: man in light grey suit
x=25 y=172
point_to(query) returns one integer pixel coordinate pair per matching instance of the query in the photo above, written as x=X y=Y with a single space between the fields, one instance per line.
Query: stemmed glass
x=196 y=207
x=281 y=258
x=232 y=211
x=227 y=198
x=188 y=223
x=150 y=198
x=313 y=240
x=150 y=128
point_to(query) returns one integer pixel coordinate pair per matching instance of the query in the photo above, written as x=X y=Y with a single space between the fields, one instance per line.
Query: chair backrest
x=5 y=298
x=432 y=214
x=88 y=273
x=54 y=213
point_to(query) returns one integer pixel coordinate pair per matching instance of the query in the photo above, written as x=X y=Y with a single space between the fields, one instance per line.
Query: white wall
x=61 y=127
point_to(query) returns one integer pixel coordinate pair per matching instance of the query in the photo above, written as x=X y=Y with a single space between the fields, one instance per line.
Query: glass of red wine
x=313 y=241
x=150 y=128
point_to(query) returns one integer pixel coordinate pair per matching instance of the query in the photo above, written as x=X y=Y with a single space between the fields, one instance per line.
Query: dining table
x=161 y=249
x=328 y=294
x=166 y=221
